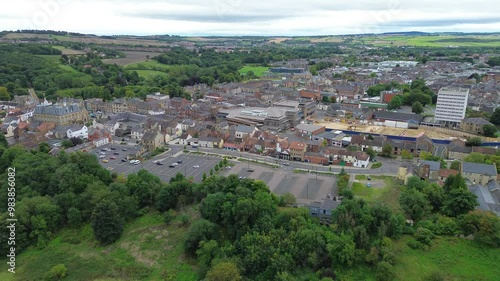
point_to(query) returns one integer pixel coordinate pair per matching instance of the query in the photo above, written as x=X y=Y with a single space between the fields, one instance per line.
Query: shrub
x=169 y=215
x=184 y=219
x=57 y=272
x=424 y=236
x=435 y=276
x=385 y=272
x=376 y=165
x=414 y=244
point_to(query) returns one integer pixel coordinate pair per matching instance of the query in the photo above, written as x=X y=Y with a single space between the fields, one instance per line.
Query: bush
x=414 y=244
x=169 y=216
x=376 y=165
x=184 y=219
x=57 y=272
x=424 y=236
x=385 y=272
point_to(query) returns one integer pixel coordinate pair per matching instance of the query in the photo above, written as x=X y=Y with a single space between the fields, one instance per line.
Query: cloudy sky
x=257 y=17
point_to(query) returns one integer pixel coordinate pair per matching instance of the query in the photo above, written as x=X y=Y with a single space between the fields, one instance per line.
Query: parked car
x=179 y=161
x=113 y=148
x=112 y=158
x=175 y=164
x=196 y=166
x=286 y=164
x=159 y=163
x=116 y=153
x=250 y=170
x=124 y=149
x=124 y=160
x=369 y=178
x=105 y=160
x=102 y=156
x=171 y=166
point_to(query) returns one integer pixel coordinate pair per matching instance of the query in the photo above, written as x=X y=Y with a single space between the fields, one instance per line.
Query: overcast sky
x=254 y=17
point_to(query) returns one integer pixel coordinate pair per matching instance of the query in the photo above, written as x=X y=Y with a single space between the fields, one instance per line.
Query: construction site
x=370 y=128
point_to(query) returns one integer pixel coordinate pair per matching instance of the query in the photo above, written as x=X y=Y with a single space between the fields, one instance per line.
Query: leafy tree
x=395 y=102
x=405 y=154
x=287 y=199
x=415 y=204
x=144 y=186
x=325 y=99
x=459 y=201
x=3 y=141
x=475 y=157
x=44 y=147
x=417 y=183
x=4 y=94
x=372 y=153
x=485 y=226
x=107 y=223
x=417 y=107
x=387 y=150
x=474 y=141
x=495 y=117
x=201 y=230
x=333 y=99
x=74 y=217
x=341 y=248
x=455 y=165
x=67 y=144
x=435 y=195
x=57 y=272
x=224 y=271
x=489 y=130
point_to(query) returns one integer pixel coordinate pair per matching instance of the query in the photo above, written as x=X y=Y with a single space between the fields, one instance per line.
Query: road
x=389 y=166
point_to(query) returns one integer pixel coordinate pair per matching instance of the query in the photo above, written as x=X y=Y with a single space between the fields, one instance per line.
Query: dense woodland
x=242 y=232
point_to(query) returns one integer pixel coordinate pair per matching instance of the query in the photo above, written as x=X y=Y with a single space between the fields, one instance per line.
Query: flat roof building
x=451 y=105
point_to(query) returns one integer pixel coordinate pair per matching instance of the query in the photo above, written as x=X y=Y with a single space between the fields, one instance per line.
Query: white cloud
x=238 y=17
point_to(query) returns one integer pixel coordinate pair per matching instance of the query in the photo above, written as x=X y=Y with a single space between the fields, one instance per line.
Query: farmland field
x=435 y=41
x=131 y=57
x=66 y=51
x=257 y=70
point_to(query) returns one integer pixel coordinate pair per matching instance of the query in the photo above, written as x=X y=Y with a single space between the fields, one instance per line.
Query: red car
x=112 y=158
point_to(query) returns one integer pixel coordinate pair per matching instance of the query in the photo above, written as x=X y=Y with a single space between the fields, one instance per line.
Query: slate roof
x=434 y=165
x=57 y=109
x=476 y=120
x=482 y=169
x=485 y=199
x=245 y=129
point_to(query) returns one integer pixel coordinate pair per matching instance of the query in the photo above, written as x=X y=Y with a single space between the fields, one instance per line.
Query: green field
x=435 y=41
x=55 y=59
x=384 y=189
x=148 y=250
x=147 y=65
x=150 y=73
x=257 y=70
x=456 y=259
